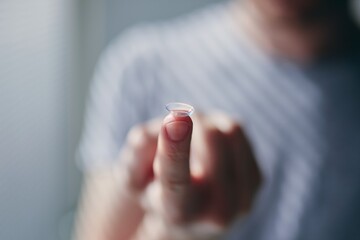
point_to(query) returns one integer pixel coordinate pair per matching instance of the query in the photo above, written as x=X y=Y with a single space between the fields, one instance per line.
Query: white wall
x=35 y=66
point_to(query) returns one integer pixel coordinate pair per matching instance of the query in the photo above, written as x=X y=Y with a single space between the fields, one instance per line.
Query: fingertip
x=172 y=118
x=177 y=128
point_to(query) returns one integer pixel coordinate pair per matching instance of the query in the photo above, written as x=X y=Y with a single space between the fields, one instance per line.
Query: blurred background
x=48 y=49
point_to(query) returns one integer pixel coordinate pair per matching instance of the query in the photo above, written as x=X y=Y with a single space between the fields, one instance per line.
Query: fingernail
x=177 y=131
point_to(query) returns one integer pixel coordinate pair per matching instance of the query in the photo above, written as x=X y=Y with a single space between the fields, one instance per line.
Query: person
x=272 y=153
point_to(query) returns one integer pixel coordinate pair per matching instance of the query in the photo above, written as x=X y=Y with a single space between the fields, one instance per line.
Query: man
x=284 y=75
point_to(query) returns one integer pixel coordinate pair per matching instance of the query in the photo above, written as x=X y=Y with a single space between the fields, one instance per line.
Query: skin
x=303 y=31
x=164 y=190
x=195 y=187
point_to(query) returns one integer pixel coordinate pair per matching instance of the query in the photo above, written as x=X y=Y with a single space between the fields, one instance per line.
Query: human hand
x=188 y=189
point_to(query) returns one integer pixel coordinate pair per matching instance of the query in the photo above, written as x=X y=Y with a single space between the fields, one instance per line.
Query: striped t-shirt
x=303 y=121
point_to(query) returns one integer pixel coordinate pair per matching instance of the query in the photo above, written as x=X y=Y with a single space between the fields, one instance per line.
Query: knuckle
x=235 y=128
x=175 y=184
x=213 y=132
x=223 y=122
x=137 y=130
x=232 y=129
x=153 y=126
x=137 y=137
x=235 y=131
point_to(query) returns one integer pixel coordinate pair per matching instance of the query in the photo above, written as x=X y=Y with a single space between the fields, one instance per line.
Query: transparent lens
x=180 y=109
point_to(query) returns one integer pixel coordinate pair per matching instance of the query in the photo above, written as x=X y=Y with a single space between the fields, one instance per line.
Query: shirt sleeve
x=118 y=99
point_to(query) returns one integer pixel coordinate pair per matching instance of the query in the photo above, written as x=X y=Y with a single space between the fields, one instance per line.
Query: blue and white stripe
x=284 y=108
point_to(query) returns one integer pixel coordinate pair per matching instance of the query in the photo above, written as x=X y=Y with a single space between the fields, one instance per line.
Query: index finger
x=172 y=166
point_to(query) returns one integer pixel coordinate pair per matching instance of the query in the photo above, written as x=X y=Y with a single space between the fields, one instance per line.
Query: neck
x=301 y=39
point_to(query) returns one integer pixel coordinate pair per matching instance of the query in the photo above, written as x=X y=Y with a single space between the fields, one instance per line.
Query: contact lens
x=179 y=109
